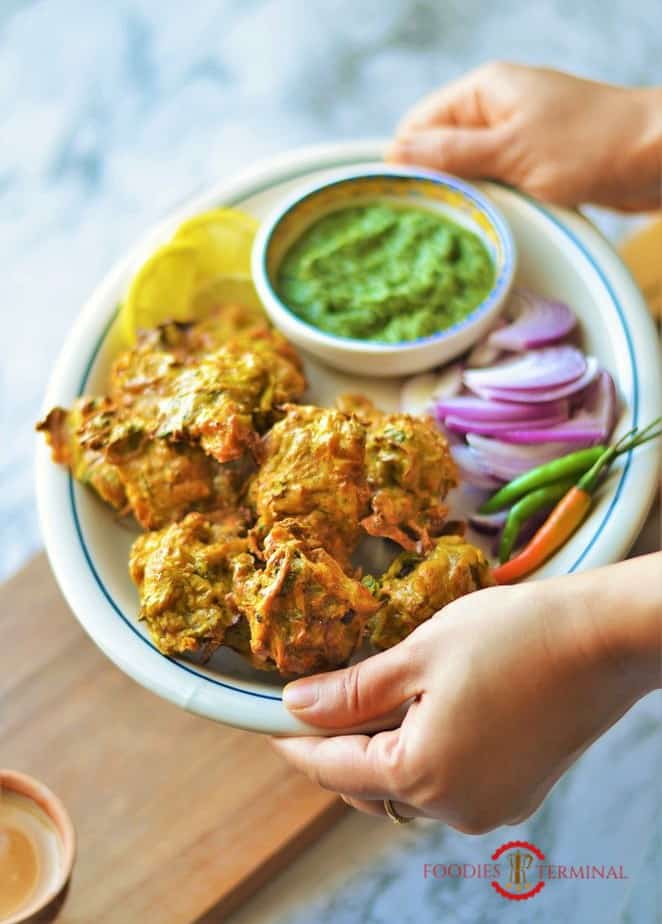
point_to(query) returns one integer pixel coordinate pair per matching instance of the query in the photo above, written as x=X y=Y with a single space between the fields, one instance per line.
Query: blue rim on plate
x=481 y=203
x=617 y=494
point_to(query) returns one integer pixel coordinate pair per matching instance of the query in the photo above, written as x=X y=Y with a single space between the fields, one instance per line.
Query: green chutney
x=383 y=272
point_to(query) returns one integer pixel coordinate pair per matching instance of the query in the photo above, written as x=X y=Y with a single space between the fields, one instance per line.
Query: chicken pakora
x=304 y=612
x=410 y=471
x=415 y=587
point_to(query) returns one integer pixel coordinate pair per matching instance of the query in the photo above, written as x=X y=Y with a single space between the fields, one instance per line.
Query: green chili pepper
x=572 y=465
x=526 y=507
x=628 y=442
x=571 y=510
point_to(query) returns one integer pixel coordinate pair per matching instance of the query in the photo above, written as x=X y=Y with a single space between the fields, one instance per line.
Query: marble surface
x=111 y=113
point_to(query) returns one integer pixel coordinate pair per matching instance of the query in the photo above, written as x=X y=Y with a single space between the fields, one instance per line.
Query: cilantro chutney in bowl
x=385 y=272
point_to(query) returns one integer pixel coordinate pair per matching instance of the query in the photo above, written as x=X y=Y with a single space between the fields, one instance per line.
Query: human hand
x=555 y=136
x=508 y=686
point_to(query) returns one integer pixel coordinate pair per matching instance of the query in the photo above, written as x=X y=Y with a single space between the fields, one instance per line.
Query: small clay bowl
x=46 y=907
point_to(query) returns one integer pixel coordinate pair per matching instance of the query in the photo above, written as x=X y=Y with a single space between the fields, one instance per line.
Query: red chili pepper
x=557 y=528
x=570 y=511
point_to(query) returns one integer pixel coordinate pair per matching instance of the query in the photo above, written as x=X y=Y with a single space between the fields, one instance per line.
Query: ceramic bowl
x=452 y=197
x=47 y=904
x=561 y=255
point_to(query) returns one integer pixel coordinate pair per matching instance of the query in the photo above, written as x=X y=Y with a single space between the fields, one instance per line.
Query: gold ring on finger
x=394 y=814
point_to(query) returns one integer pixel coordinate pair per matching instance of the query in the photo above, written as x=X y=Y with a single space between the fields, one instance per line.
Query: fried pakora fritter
x=255 y=504
x=157 y=481
x=164 y=481
x=172 y=437
x=144 y=370
x=220 y=400
x=224 y=400
x=68 y=434
x=304 y=612
x=184 y=577
x=415 y=587
x=410 y=471
x=313 y=472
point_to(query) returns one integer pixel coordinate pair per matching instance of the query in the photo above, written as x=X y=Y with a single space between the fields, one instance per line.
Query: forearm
x=616 y=615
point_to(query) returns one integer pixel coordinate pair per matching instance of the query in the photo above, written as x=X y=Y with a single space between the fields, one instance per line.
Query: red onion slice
x=540 y=395
x=472 y=470
x=539 y=369
x=591 y=424
x=579 y=434
x=506 y=460
x=479 y=409
x=503 y=428
x=601 y=400
x=488 y=522
x=538 y=322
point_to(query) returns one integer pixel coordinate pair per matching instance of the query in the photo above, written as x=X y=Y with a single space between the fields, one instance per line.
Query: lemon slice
x=206 y=264
x=227 y=290
x=223 y=239
x=162 y=289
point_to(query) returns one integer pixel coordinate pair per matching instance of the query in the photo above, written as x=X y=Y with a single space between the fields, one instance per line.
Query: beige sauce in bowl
x=30 y=853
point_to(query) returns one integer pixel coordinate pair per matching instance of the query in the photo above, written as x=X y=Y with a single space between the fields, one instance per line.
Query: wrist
x=627 y=619
x=635 y=619
x=616 y=621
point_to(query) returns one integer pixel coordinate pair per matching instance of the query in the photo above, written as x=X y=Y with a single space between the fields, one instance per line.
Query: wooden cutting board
x=178 y=818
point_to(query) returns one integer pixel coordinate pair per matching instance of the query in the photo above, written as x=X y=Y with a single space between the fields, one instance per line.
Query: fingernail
x=300 y=695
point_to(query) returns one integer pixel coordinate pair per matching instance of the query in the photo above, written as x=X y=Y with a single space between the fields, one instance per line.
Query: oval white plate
x=561 y=254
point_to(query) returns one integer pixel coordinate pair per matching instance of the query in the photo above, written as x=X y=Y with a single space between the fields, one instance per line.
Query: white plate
x=561 y=254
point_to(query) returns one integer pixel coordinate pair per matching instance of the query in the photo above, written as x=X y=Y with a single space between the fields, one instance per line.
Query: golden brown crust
x=255 y=504
x=304 y=612
x=184 y=577
x=415 y=587
x=165 y=481
x=73 y=438
x=157 y=481
x=221 y=400
x=313 y=472
x=410 y=471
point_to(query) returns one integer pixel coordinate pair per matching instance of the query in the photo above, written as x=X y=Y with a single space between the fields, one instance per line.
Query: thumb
x=368 y=690
x=469 y=152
